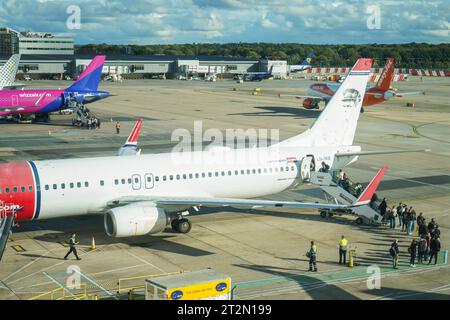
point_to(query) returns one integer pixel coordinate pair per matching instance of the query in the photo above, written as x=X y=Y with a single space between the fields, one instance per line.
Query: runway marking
x=96 y=284
x=26 y=266
x=144 y=261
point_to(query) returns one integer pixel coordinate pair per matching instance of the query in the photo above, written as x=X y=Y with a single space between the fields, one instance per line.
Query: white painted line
x=144 y=261
x=25 y=266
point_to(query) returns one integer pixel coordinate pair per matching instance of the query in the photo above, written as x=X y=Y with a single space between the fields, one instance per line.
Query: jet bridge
x=335 y=193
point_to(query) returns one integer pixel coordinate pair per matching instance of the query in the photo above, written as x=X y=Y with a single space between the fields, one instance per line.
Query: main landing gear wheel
x=174 y=225
x=184 y=226
x=359 y=221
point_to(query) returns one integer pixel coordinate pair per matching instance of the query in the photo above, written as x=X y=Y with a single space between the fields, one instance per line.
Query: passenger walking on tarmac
x=400 y=214
x=423 y=228
x=435 y=247
x=312 y=255
x=343 y=244
x=413 y=252
x=428 y=251
x=432 y=227
x=411 y=220
x=117 y=127
x=406 y=214
x=422 y=248
x=394 y=253
x=72 y=244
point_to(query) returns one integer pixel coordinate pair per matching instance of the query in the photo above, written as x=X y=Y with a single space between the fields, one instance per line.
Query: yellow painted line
x=19 y=248
x=63 y=243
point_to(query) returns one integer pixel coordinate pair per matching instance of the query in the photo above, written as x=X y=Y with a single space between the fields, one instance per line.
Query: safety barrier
x=63 y=293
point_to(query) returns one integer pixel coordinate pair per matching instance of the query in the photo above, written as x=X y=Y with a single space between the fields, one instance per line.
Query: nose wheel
x=181 y=225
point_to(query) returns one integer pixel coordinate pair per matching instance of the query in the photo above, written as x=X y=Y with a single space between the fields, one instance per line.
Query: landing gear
x=362 y=110
x=41 y=117
x=181 y=225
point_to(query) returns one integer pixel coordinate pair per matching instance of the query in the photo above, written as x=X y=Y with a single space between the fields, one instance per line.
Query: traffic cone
x=93 y=247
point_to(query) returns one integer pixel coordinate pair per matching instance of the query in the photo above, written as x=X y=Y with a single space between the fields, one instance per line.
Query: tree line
x=410 y=55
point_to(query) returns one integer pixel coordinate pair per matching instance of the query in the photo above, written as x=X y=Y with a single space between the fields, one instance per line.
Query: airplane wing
x=301 y=97
x=192 y=201
x=369 y=153
x=130 y=148
x=402 y=94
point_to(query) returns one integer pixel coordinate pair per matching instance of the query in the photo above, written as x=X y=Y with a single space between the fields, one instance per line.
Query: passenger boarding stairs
x=81 y=114
x=337 y=194
x=6 y=223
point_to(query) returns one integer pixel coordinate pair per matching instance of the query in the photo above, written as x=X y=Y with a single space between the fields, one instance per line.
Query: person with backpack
x=432 y=226
x=382 y=207
x=422 y=248
x=394 y=251
x=312 y=255
x=412 y=249
x=435 y=247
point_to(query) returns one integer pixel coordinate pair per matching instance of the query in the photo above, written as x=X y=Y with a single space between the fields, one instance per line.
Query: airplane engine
x=135 y=220
x=310 y=104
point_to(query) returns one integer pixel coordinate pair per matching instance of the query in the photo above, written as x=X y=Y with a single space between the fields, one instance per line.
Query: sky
x=224 y=21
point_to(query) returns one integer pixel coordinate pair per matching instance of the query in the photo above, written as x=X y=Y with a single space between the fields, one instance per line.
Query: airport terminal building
x=50 y=66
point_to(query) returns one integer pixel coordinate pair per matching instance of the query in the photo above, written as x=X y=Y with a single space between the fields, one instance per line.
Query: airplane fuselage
x=42 y=101
x=59 y=188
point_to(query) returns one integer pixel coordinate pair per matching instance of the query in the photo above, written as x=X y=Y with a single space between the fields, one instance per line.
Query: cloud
x=181 y=21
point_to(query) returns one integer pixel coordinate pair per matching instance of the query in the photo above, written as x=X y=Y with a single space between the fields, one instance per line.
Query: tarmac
x=263 y=250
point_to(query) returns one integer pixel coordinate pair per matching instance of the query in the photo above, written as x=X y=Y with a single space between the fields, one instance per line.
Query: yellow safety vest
x=313 y=249
x=343 y=243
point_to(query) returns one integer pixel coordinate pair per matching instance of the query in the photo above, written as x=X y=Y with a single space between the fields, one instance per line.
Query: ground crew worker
x=312 y=255
x=343 y=250
x=72 y=244
x=118 y=127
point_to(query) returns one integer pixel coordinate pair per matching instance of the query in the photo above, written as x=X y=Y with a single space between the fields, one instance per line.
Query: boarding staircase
x=6 y=223
x=335 y=193
x=82 y=115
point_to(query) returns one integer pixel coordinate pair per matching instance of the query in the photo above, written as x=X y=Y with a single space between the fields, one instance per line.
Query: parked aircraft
x=143 y=194
x=38 y=103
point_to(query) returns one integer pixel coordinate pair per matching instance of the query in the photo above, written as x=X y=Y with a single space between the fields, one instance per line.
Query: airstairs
x=335 y=193
x=82 y=115
x=6 y=223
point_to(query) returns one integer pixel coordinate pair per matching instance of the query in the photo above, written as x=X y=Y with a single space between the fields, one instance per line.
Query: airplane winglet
x=134 y=135
x=367 y=194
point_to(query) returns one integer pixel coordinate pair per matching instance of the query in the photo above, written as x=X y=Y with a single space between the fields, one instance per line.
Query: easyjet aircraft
x=381 y=92
x=141 y=194
x=38 y=103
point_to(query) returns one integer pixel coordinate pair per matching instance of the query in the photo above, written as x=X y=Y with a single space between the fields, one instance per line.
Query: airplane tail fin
x=90 y=77
x=336 y=125
x=9 y=70
x=131 y=145
x=386 y=77
x=308 y=60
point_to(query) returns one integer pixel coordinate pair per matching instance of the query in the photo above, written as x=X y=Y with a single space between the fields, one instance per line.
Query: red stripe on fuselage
x=18 y=175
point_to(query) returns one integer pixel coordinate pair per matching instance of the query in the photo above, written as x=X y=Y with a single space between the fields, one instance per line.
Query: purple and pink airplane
x=38 y=103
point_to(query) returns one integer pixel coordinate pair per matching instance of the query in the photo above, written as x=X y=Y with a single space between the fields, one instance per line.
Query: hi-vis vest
x=343 y=243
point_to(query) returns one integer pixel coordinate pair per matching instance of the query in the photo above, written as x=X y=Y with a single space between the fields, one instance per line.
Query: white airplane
x=8 y=74
x=143 y=194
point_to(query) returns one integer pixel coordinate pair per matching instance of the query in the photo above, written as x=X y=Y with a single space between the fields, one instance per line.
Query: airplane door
x=149 y=181
x=15 y=100
x=136 y=181
x=305 y=168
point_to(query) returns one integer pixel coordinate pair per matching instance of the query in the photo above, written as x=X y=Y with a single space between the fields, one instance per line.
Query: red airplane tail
x=386 y=77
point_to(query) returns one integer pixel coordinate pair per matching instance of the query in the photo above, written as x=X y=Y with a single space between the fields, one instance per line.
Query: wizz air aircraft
x=306 y=64
x=143 y=194
x=8 y=73
x=38 y=103
x=379 y=93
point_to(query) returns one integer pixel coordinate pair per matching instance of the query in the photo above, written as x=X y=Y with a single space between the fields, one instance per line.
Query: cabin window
x=123 y=181
x=149 y=179
x=136 y=180
x=23 y=189
x=223 y=173
x=248 y=171
x=197 y=176
x=30 y=188
x=71 y=185
x=164 y=178
x=6 y=190
x=184 y=176
x=203 y=175
x=292 y=168
x=63 y=185
x=178 y=177
x=55 y=186
x=116 y=181
x=129 y=181
x=15 y=189
x=259 y=170
x=253 y=171
x=86 y=184
x=190 y=176
x=242 y=171
x=102 y=183
x=47 y=187
x=78 y=184
x=287 y=168
x=171 y=177
x=281 y=169
x=210 y=174
x=156 y=179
